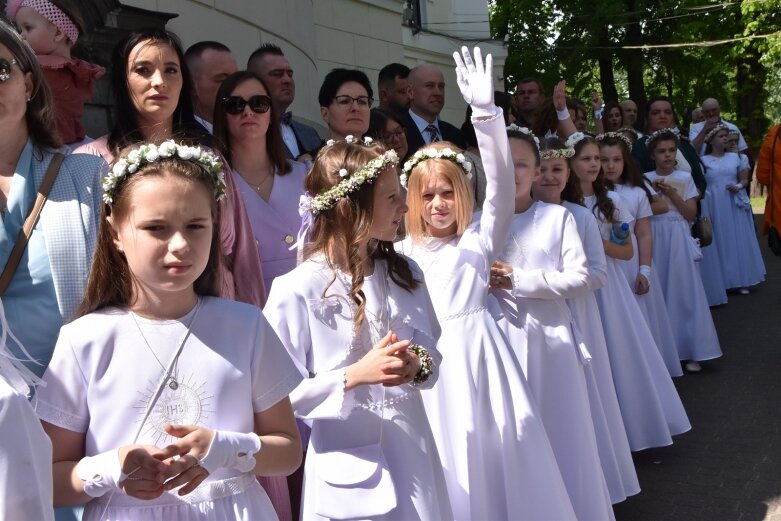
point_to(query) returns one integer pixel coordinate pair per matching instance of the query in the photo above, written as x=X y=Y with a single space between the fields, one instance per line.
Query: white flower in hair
x=512 y=127
x=433 y=153
x=343 y=172
x=151 y=153
x=351 y=183
x=350 y=139
x=574 y=139
x=330 y=142
x=367 y=140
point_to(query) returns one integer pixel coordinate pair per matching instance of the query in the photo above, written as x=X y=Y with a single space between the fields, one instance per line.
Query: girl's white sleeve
x=595 y=252
x=429 y=338
x=571 y=281
x=319 y=395
x=499 y=204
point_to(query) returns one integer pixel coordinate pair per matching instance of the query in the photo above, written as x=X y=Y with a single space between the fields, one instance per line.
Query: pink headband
x=49 y=11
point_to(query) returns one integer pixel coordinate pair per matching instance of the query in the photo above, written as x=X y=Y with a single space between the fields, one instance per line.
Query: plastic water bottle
x=619 y=233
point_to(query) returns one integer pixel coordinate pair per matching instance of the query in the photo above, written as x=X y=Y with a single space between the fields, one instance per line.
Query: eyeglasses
x=346 y=101
x=396 y=135
x=235 y=104
x=5 y=69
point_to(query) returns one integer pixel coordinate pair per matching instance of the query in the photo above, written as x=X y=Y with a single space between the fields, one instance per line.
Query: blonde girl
x=497 y=459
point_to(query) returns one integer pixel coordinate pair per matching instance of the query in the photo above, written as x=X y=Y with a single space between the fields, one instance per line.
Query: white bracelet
x=232 y=450
x=645 y=271
x=598 y=114
x=100 y=473
x=563 y=115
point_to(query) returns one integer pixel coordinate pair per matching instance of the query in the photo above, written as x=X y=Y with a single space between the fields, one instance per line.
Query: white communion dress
x=549 y=266
x=497 y=458
x=614 y=452
x=650 y=406
x=371 y=453
x=652 y=303
x=102 y=379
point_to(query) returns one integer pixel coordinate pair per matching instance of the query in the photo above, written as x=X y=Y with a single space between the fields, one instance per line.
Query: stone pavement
x=728 y=467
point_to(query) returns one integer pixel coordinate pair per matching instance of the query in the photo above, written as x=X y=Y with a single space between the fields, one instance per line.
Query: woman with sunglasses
x=152 y=103
x=246 y=132
x=47 y=285
x=387 y=127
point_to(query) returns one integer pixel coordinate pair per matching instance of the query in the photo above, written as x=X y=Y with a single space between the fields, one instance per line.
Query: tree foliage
x=589 y=45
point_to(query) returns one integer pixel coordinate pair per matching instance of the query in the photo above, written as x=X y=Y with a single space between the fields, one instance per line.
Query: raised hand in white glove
x=476 y=82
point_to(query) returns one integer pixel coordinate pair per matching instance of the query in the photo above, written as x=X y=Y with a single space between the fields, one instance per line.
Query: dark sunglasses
x=5 y=69
x=235 y=104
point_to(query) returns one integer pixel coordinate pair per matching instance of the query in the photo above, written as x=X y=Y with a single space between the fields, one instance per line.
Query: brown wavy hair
x=571 y=191
x=110 y=281
x=631 y=174
x=339 y=232
x=604 y=205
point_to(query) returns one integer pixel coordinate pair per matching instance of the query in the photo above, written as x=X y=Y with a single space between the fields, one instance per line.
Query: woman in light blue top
x=47 y=285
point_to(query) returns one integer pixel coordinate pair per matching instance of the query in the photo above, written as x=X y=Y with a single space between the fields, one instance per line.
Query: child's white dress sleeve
x=595 y=252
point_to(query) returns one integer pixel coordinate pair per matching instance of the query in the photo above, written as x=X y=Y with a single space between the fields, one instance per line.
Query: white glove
x=100 y=473
x=232 y=450
x=476 y=82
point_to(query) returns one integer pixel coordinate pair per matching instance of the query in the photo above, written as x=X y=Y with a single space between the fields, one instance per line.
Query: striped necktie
x=433 y=133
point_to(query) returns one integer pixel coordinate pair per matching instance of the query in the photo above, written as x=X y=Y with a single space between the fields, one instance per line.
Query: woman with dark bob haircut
x=387 y=127
x=346 y=98
x=47 y=286
x=152 y=103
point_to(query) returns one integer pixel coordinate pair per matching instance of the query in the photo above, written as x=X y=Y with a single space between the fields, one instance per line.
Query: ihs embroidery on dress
x=187 y=404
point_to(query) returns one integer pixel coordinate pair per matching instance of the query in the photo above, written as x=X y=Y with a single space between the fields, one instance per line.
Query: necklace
x=173 y=383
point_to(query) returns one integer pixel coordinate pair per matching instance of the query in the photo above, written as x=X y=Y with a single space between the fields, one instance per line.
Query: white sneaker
x=693 y=367
x=743 y=291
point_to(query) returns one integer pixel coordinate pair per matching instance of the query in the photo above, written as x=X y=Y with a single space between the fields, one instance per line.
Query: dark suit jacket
x=307 y=137
x=415 y=139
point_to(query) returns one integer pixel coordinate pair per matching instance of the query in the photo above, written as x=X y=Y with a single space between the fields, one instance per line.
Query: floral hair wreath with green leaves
x=615 y=135
x=557 y=153
x=149 y=153
x=715 y=130
x=433 y=153
x=351 y=183
x=662 y=133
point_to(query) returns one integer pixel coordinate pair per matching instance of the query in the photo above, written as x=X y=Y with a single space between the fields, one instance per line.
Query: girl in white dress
x=162 y=400
x=622 y=176
x=730 y=211
x=542 y=265
x=356 y=317
x=614 y=453
x=680 y=279
x=497 y=458
x=650 y=405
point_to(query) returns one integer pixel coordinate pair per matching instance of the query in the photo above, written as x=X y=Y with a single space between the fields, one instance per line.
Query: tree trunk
x=607 y=79
x=635 y=62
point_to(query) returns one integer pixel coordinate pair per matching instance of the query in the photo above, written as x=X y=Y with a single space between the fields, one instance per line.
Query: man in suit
x=426 y=92
x=209 y=63
x=270 y=64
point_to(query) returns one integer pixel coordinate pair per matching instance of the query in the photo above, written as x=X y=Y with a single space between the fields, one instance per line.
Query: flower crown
x=615 y=135
x=715 y=130
x=574 y=139
x=624 y=130
x=512 y=127
x=433 y=153
x=556 y=153
x=666 y=133
x=150 y=153
x=352 y=182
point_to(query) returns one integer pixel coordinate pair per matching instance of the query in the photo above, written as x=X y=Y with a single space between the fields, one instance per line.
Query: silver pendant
x=173 y=384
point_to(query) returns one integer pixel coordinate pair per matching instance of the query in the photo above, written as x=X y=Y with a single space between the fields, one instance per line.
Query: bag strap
x=30 y=222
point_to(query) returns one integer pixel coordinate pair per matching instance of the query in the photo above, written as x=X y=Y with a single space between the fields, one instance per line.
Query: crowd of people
x=441 y=322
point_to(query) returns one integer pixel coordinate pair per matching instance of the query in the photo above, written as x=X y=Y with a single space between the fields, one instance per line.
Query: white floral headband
x=351 y=183
x=715 y=130
x=151 y=153
x=433 y=153
x=557 y=153
x=512 y=127
x=662 y=132
x=574 y=139
x=615 y=135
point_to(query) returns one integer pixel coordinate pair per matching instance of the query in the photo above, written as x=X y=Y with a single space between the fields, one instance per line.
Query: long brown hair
x=631 y=174
x=571 y=191
x=110 y=281
x=604 y=204
x=341 y=230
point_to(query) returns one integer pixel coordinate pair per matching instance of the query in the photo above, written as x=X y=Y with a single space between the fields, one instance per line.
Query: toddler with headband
x=52 y=30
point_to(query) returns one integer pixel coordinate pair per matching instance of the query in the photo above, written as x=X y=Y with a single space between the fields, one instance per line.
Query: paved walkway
x=728 y=467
